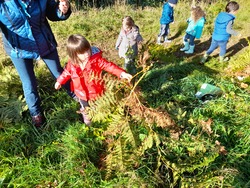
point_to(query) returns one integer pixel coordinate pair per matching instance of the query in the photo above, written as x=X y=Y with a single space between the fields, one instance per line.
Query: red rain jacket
x=88 y=84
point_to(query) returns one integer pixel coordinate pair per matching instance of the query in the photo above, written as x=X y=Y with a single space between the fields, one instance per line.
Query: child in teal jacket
x=194 y=30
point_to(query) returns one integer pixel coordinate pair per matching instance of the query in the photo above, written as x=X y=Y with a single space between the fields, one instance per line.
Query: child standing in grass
x=167 y=17
x=85 y=68
x=127 y=43
x=222 y=31
x=194 y=30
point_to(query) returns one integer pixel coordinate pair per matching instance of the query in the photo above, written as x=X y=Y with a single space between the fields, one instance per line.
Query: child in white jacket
x=127 y=43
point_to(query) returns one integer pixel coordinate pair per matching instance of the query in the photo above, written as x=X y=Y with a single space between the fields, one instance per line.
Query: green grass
x=131 y=142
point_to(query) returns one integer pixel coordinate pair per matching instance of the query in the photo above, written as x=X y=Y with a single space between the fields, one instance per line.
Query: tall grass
x=159 y=135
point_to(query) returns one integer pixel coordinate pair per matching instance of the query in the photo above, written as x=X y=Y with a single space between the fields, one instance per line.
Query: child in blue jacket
x=167 y=17
x=222 y=31
x=194 y=30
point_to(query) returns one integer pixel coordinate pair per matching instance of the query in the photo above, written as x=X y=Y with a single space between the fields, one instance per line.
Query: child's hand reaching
x=126 y=76
x=57 y=85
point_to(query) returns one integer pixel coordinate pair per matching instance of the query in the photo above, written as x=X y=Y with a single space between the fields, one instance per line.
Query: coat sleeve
x=66 y=74
x=119 y=40
x=53 y=13
x=199 y=28
x=110 y=67
x=137 y=35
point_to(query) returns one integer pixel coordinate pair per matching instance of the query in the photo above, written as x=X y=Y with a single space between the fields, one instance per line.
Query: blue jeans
x=189 y=38
x=164 y=30
x=25 y=69
x=215 y=44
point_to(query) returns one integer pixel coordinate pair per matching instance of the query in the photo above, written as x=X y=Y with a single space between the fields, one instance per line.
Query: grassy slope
x=65 y=152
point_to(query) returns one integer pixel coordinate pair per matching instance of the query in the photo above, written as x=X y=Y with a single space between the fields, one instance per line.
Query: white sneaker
x=167 y=41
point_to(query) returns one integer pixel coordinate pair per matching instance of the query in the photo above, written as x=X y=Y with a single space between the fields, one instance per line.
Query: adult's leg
x=53 y=63
x=25 y=69
x=85 y=116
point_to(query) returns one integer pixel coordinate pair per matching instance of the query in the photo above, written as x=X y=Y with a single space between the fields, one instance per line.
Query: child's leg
x=129 y=66
x=85 y=116
x=162 y=33
x=185 y=42
x=214 y=44
x=166 y=33
x=223 y=49
x=191 y=45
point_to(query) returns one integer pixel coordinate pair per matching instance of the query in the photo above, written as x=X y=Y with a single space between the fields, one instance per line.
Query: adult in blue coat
x=27 y=36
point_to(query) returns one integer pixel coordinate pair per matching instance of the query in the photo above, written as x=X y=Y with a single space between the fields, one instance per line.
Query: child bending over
x=85 y=68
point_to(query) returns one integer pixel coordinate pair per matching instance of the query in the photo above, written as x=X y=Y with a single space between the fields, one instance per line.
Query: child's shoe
x=158 y=40
x=204 y=58
x=38 y=120
x=166 y=40
x=186 y=47
x=222 y=59
x=190 y=50
x=85 y=117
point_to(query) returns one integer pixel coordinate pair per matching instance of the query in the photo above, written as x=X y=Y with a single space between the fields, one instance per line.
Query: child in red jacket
x=85 y=68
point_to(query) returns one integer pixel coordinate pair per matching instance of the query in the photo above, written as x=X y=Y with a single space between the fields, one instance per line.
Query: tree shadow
x=201 y=47
x=180 y=30
x=243 y=43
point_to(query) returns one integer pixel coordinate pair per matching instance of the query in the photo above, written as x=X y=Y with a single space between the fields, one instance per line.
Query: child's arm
x=113 y=69
x=230 y=29
x=126 y=76
x=57 y=85
x=64 y=77
x=119 y=40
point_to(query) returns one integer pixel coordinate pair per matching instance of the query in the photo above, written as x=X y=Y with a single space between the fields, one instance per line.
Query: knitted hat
x=173 y=1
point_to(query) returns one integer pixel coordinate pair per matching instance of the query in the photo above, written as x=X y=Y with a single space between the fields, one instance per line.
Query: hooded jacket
x=167 y=14
x=220 y=26
x=128 y=40
x=88 y=84
x=195 y=28
x=25 y=29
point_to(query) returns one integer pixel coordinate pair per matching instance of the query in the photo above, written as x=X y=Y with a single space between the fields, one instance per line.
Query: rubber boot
x=204 y=58
x=223 y=59
x=186 y=46
x=190 y=50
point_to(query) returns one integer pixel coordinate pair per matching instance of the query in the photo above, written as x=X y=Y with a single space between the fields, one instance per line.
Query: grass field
x=157 y=134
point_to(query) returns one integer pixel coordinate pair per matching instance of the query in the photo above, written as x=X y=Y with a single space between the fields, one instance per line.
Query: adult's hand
x=64 y=6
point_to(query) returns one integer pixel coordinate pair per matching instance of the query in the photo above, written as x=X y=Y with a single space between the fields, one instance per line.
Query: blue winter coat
x=25 y=29
x=220 y=26
x=167 y=14
x=195 y=28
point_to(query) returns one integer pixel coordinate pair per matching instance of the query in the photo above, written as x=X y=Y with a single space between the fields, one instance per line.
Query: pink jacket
x=88 y=84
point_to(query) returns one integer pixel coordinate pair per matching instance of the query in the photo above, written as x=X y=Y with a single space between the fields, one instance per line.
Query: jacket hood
x=95 y=52
x=224 y=17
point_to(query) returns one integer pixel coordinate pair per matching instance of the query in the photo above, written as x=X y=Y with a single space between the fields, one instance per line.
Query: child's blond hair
x=128 y=21
x=197 y=13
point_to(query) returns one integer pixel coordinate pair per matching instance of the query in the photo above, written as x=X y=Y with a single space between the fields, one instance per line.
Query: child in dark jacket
x=222 y=31
x=167 y=17
x=85 y=70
